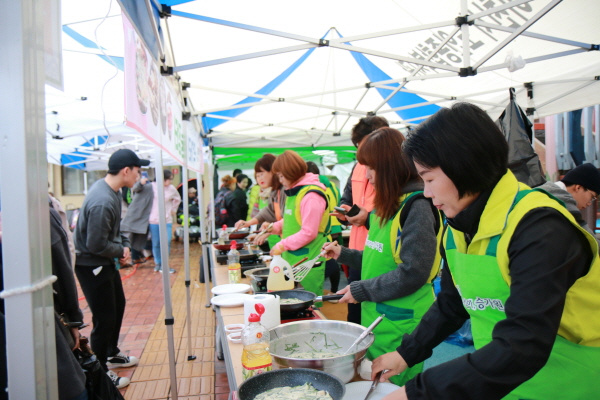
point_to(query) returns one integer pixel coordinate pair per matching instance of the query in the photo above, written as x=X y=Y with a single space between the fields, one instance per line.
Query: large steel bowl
x=335 y=336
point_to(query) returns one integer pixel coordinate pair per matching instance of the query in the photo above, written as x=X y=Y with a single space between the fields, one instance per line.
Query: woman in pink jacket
x=306 y=222
x=172 y=200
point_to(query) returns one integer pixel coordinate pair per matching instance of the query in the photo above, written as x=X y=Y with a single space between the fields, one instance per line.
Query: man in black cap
x=99 y=246
x=577 y=189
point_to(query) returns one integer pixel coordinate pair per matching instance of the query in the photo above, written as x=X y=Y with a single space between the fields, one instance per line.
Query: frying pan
x=308 y=298
x=239 y=234
x=227 y=245
x=291 y=377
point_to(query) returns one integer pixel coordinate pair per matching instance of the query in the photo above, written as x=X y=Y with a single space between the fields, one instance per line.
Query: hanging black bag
x=99 y=386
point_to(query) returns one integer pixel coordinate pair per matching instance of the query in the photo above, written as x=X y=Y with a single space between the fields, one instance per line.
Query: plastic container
x=233 y=264
x=223 y=235
x=277 y=279
x=256 y=358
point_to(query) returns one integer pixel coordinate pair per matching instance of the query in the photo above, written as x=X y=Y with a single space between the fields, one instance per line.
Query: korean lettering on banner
x=194 y=148
x=152 y=106
x=481 y=39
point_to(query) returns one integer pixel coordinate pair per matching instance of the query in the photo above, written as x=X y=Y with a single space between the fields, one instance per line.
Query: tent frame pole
x=517 y=32
x=534 y=35
x=30 y=326
x=164 y=252
x=186 y=244
x=161 y=48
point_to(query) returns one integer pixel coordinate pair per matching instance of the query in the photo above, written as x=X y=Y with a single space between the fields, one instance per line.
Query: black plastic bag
x=522 y=159
x=99 y=386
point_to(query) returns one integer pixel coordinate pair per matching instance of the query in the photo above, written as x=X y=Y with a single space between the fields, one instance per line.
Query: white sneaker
x=122 y=361
x=119 y=381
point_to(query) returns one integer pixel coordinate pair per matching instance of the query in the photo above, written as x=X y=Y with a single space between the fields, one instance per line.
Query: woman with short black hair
x=517 y=264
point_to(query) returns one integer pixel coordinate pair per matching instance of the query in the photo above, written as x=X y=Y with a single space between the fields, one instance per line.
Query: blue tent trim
x=400 y=99
x=210 y=123
x=119 y=61
x=74 y=158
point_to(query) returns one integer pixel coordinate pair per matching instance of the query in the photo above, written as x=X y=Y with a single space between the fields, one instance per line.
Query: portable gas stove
x=309 y=313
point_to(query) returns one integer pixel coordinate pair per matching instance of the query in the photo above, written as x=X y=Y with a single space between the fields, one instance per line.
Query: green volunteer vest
x=291 y=225
x=381 y=255
x=480 y=272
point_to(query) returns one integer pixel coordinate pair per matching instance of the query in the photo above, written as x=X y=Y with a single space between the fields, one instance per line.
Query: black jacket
x=236 y=204
x=547 y=255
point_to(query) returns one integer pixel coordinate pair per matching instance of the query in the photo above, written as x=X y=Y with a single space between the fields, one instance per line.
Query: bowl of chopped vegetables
x=296 y=383
x=320 y=345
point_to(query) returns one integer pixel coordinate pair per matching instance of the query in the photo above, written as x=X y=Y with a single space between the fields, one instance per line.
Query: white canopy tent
x=410 y=53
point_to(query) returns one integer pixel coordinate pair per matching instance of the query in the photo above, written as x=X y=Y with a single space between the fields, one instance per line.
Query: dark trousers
x=354 y=310
x=105 y=296
x=332 y=271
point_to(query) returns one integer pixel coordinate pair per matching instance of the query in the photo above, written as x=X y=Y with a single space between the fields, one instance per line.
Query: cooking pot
x=328 y=335
x=291 y=377
x=227 y=246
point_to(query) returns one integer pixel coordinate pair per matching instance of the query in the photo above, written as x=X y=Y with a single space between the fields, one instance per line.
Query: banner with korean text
x=153 y=107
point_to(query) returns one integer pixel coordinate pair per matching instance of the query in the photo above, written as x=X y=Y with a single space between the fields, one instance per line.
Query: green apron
x=313 y=282
x=571 y=372
x=401 y=315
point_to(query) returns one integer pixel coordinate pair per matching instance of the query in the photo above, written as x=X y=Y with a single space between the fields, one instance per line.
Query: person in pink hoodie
x=306 y=223
x=172 y=200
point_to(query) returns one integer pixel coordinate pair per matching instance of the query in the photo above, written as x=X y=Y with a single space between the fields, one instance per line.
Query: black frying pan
x=291 y=377
x=308 y=299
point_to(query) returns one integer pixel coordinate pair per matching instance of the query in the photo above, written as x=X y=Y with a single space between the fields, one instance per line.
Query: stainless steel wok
x=335 y=336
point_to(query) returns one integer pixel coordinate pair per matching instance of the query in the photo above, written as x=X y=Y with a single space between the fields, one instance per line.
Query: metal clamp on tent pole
x=185 y=85
x=462 y=20
x=530 y=111
x=469 y=71
x=595 y=47
x=323 y=42
x=165 y=11
x=529 y=87
x=186 y=115
x=169 y=321
x=166 y=70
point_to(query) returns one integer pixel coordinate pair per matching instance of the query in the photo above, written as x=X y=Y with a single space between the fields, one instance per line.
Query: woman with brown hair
x=305 y=224
x=400 y=259
x=359 y=191
x=276 y=199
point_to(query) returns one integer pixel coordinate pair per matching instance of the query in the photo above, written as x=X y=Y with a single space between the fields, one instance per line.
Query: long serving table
x=230 y=352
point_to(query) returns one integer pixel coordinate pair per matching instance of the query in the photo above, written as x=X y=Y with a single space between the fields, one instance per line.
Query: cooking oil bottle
x=223 y=235
x=233 y=264
x=277 y=279
x=256 y=358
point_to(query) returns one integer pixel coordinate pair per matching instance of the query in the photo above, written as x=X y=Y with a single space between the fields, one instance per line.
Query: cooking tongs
x=365 y=333
x=374 y=384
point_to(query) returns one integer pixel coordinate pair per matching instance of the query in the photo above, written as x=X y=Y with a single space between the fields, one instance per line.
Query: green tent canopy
x=245 y=157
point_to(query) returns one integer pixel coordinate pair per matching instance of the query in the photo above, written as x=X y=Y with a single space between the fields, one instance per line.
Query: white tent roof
x=229 y=50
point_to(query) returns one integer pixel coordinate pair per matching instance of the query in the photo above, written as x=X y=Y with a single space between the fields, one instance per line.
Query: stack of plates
x=230 y=295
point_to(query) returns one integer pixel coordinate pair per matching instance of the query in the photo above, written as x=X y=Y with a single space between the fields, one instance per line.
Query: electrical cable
x=110 y=79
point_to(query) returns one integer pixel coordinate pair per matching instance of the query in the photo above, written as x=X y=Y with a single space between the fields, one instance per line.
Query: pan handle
x=329 y=297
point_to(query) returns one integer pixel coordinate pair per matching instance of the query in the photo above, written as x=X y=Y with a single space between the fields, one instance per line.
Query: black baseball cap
x=123 y=158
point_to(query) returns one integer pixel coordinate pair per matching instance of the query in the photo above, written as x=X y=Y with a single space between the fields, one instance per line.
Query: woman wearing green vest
x=518 y=265
x=305 y=224
x=400 y=259
x=270 y=209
